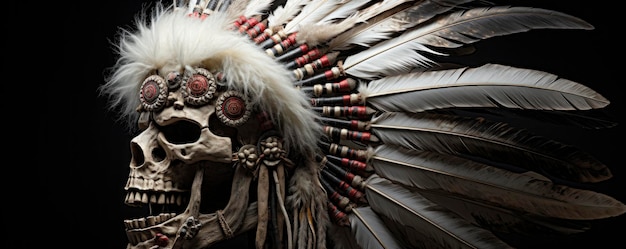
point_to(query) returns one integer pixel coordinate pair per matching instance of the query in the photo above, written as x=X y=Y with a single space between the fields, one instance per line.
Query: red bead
x=161 y=240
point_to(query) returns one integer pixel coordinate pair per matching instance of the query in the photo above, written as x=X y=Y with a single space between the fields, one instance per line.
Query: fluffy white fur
x=173 y=41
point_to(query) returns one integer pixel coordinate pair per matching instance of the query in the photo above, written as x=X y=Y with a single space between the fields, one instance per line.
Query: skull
x=191 y=128
x=220 y=120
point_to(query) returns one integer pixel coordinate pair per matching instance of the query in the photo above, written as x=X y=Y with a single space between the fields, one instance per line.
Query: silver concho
x=233 y=109
x=153 y=93
x=199 y=88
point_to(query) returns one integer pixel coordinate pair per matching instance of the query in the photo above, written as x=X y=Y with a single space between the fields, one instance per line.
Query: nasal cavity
x=157 y=153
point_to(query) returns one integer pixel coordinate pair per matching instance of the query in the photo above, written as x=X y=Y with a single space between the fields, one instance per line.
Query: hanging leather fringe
x=273 y=224
x=283 y=218
x=263 y=206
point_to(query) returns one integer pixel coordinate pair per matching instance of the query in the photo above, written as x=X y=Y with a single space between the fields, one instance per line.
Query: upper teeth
x=154 y=198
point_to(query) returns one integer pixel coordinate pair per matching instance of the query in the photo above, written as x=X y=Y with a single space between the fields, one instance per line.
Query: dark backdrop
x=85 y=192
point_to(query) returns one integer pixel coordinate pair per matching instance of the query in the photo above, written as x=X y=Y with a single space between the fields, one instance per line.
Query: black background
x=86 y=192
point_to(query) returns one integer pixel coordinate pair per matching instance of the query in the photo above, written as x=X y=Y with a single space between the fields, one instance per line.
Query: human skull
x=214 y=117
x=185 y=152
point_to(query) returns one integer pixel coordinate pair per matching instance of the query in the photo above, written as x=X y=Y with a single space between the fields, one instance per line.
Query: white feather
x=283 y=14
x=422 y=223
x=369 y=231
x=391 y=57
x=316 y=33
x=373 y=27
x=379 y=26
x=257 y=7
x=451 y=31
x=493 y=186
x=468 y=26
x=490 y=85
x=344 y=9
x=380 y=7
x=311 y=13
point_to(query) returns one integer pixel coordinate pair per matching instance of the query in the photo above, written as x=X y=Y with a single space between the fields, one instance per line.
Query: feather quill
x=480 y=182
x=422 y=222
x=369 y=231
x=491 y=142
x=451 y=31
x=490 y=85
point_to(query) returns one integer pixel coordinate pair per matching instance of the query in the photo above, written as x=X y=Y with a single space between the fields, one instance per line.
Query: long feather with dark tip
x=491 y=185
x=490 y=85
x=493 y=143
x=404 y=53
x=387 y=18
x=369 y=230
x=502 y=220
x=390 y=57
x=468 y=26
x=587 y=119
x=422 y=223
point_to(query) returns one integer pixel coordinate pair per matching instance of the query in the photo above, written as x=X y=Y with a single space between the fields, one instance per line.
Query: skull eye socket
x=220 y=129
x=199 y=88
x=181 y=132
x=153 y=93
x=233 y=108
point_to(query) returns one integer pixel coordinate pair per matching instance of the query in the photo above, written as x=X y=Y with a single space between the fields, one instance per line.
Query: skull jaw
x=184 y=138
x=210 y=233
x=238 y=217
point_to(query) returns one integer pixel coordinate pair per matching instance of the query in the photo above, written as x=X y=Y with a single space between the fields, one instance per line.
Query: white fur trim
x=173 y=41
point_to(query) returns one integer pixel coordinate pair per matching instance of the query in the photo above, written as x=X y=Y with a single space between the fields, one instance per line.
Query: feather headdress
x=383 y=155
